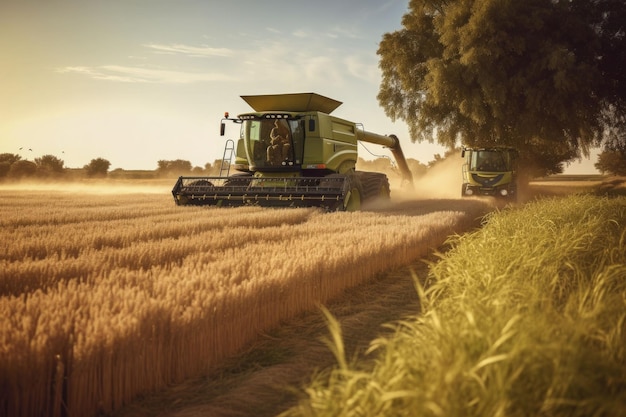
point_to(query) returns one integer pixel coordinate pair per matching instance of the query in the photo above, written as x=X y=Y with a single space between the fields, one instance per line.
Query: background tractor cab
x=490 y=172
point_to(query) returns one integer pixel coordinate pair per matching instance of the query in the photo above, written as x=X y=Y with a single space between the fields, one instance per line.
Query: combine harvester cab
x=490 y=172
x=292 y=153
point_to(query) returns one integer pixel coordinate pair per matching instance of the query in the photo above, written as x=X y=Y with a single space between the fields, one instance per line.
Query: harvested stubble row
x=105 y=297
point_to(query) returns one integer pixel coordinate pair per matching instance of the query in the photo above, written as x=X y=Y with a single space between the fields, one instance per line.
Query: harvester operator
x=280 y=147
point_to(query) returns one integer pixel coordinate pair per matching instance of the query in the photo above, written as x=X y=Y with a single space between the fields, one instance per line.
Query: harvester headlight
x=469 y=191
x=504 y=192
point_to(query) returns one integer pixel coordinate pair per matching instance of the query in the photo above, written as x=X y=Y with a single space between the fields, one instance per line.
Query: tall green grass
x=525 y=317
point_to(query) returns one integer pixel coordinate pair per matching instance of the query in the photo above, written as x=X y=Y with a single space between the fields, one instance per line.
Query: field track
x=261 y=380
x=129 y=242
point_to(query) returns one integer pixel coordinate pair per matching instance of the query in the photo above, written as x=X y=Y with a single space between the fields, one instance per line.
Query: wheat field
x=106 y=295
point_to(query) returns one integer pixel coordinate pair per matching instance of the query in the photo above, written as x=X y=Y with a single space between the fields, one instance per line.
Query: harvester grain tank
x=490 y=171
x=292 y=153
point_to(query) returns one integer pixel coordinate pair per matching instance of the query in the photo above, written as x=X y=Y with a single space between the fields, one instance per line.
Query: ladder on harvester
x=228 y=156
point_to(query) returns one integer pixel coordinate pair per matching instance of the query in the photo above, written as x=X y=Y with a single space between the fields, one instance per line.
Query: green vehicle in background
x=292 y=153
x=490 y=172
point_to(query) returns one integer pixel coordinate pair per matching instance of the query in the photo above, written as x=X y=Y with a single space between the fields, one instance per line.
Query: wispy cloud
x=362 y=67
x=300 y=33
x=195 y=51
x=143 y=75
x=343 y=32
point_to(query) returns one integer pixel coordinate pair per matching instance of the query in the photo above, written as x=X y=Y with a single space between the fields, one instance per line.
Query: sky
x=138 y=81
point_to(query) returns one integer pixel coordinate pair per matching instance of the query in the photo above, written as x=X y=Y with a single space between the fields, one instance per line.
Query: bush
x=22 y=168
x=98 y=167
x=49 y=166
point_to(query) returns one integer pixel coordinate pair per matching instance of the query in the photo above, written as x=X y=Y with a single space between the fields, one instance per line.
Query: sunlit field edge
x=526 y=316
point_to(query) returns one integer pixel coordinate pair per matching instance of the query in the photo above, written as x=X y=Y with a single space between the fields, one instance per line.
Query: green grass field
x=524 y=317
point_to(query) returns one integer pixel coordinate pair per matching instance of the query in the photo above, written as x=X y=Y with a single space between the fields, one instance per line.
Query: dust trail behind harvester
x=442 y=180
x=104 y=186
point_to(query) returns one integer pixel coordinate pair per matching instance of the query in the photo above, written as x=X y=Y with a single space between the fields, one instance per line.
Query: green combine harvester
x=292 y=153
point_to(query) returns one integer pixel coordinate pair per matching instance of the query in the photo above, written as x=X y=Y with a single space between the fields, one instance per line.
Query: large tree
x=545 y=76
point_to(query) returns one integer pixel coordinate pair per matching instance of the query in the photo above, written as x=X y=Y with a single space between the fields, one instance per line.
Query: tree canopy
x=98 y=167
x=612 y=160
x=178 y=166
x=49 y=165
x=22 y=168
x=544 y=76
x=6 y=160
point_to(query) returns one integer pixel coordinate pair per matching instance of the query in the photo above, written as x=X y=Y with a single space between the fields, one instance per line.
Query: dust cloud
x=442 y=180
x=94 y=187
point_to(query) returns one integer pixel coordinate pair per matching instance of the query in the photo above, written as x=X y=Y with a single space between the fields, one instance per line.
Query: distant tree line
x=178 y=167
x=12 y=166
x=611 y=161
x=47 y=166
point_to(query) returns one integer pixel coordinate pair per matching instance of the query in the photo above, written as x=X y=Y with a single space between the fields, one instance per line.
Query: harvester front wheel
x=239 y=180
x=374 y=186
x=353 y=197
x=346 y=185
x=464 y=190
x=183 y=194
